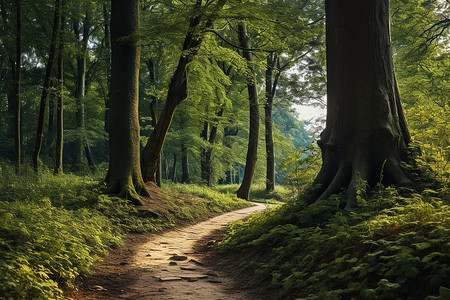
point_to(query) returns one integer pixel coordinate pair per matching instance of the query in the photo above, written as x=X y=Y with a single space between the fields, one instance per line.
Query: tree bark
x=51 y=116
x=252 y=152
x=153 y=105
x=108 y=66
x=59 y=106
x=80 y=90
x=271 y=85
x=177 y=91
x=45 y=89
x=17 y=110
x=366 y=134
x=124 y=175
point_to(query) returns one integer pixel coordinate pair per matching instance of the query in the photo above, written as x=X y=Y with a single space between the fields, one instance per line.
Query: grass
x=54 y=228
x=394 y=246
x=258 y=193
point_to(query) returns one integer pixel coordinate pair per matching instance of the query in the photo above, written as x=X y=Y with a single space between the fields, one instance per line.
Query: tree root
x=355 y=177
x=131 y=190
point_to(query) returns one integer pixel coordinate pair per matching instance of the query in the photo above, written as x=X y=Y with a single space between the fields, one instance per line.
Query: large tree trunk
x=45 y=89
x=366 y=134
x=271 y=86
x=177 y=91
x=124 y=174
x=17 y=110
x=252 y=152
x=59 y=106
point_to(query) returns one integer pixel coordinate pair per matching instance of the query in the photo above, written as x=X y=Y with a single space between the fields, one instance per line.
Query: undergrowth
x=53 y=228
x=394 y=246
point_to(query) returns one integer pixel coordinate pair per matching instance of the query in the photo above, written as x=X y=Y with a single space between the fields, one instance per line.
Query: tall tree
x=366 y=135
x=46 y=87
x=252 y=151
x=271 y=86
x=177 y=91
x=124 y=174
x=59 y=106
x=17 y=110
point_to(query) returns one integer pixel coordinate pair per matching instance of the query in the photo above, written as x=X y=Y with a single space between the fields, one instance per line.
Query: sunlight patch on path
x=172 y=270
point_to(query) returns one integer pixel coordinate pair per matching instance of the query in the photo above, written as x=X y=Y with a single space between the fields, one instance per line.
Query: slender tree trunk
x=173 y=174
x=89 y=157
x=165 y=165
x=124 y=174
x=177 y=91
x=208 y=154
x=366 y=134
x=270 y=156
x=51 y=116
x=81 y=90
x=59 y=105
x=153 y=105
x=17 y=110
x=108 y=66
x=185 y=177
x=45 y=89
x=203 y=162
x=252 y=152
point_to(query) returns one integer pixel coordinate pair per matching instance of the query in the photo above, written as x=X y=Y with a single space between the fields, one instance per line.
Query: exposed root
x=130 y=190
x=358 y=179
x=339 y=181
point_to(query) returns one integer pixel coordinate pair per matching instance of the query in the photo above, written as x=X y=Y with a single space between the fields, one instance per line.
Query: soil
x=177 y=264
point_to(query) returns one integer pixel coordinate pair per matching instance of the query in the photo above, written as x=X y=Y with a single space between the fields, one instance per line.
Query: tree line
x=137 y=81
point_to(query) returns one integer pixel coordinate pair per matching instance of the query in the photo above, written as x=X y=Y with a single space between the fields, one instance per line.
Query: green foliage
x=50 y=234
x=423 y=68
x=53 y=228
x=394 y=246
x=218 y=201
x=301 y=167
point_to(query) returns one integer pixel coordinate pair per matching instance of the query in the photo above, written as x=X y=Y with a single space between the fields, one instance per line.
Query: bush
x=392 y=247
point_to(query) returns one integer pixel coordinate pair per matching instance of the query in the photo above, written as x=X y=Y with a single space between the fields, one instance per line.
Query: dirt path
x=166 y=266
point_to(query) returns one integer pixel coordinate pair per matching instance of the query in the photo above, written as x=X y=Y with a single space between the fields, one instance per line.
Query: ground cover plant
x=53 y=228
x=395 y=245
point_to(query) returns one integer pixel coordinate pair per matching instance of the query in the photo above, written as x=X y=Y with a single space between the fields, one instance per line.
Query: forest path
x=167 y=266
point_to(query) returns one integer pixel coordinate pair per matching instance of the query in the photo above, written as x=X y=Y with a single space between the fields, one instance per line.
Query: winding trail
x=167 y=266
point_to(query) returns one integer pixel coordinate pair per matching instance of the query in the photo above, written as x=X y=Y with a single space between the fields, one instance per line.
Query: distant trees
x=46 y=86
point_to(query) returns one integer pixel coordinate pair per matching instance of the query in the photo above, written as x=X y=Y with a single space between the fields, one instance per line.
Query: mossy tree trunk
x=366 y=134
x=124 y=175
x=252 y=151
